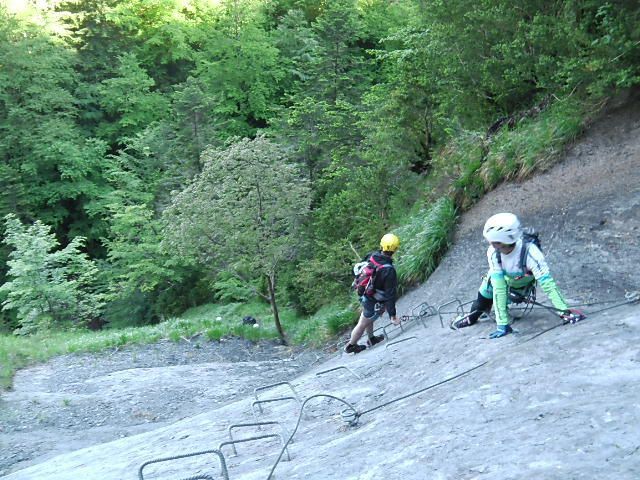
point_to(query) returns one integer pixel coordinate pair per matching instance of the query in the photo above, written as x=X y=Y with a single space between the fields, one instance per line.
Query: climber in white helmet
x=516 y=263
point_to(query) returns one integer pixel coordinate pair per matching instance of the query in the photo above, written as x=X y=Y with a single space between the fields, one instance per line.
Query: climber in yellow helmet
x=379 y=295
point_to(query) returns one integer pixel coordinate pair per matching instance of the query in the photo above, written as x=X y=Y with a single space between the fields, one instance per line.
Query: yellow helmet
x=389 y=243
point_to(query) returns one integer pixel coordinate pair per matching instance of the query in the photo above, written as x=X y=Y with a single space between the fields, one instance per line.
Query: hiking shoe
x=354 y=348
x=461 y=322
x=375 y=339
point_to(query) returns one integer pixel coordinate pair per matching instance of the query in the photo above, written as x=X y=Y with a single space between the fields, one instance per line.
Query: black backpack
x=529 y=236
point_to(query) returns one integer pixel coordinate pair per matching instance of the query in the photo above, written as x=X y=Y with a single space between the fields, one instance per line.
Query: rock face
x=561 y=405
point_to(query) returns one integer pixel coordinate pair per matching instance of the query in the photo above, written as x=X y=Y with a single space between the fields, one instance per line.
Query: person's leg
x=374 y=339
x=482 y=304
x=369 y=329
x=365 y=322
x=479 y=306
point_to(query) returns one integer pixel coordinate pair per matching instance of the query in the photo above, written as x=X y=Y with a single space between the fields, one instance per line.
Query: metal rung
x=273 y=385
x=451 y=302
x=256 y=424
x=420 y=313
x=223 y=463
x=400 y=341
x=269 y=400
x=251 y=439
x=391 y=324
x=339 y=368
x=424 y=311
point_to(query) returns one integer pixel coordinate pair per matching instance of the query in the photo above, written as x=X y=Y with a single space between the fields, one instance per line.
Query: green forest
x=161 y=156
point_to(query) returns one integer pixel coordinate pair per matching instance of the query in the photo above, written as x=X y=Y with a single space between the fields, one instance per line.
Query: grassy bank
x=211 y=322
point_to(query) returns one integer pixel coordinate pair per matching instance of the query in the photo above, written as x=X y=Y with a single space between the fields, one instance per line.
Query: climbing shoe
x=354 y=348
x=375 y=339
x=462 y=322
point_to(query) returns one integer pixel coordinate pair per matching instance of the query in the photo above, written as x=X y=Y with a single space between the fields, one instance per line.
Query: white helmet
x=503 y=228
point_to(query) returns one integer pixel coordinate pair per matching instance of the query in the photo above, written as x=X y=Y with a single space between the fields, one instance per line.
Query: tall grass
x=425 y=237
x=533 y=145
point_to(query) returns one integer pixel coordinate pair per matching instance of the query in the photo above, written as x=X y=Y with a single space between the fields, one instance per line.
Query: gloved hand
x=501 y=331
x=572 y=316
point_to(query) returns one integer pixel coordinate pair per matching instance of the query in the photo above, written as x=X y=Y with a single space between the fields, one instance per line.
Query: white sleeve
x=536 y=263
x=492 y=258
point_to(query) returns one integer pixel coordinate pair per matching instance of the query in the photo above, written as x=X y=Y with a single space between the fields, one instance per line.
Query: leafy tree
x=48 y=286
x=337 y=73
x=240 y=68
x=127 y=99
x=165 y=34
x=97 y=41
x=298 y=47
x=50 y=170
x=141 y=271
x=243 y=214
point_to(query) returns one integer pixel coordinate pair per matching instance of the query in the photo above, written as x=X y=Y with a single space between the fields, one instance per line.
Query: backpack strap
x=378 y=264
x=523 y=257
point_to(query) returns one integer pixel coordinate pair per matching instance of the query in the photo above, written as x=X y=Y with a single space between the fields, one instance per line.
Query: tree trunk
x=274 y=308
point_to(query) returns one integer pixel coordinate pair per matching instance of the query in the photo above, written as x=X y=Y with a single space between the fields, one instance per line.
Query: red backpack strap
x=378 y=264
x=375 y=263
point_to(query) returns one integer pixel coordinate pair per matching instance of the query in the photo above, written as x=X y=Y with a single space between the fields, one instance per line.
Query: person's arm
x=538 y=265
x=499 y=284
x=390 y=291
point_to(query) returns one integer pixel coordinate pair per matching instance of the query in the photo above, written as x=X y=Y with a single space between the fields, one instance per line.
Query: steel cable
x=298 y=424
x=630 y=298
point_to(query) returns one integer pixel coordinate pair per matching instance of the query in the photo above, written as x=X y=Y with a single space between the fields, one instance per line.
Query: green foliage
x=337 y=73
x=478 y=165
x=48 y=287
x=323 y=277
x=298 y=48
x=380 y=106
x=534 y=144
x=323 y=325
x=48 y=169
x=425 y=238
x=258 y=200
x=137 y=259
x=475 y=60
x=129 y=101
x=228 y=288
x=241 y=67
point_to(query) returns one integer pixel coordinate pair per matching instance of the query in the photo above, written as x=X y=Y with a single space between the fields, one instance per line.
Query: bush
x=48 y=286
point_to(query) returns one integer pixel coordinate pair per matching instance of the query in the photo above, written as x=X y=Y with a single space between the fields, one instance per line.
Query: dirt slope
x=586 y=209
x=563 y=405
